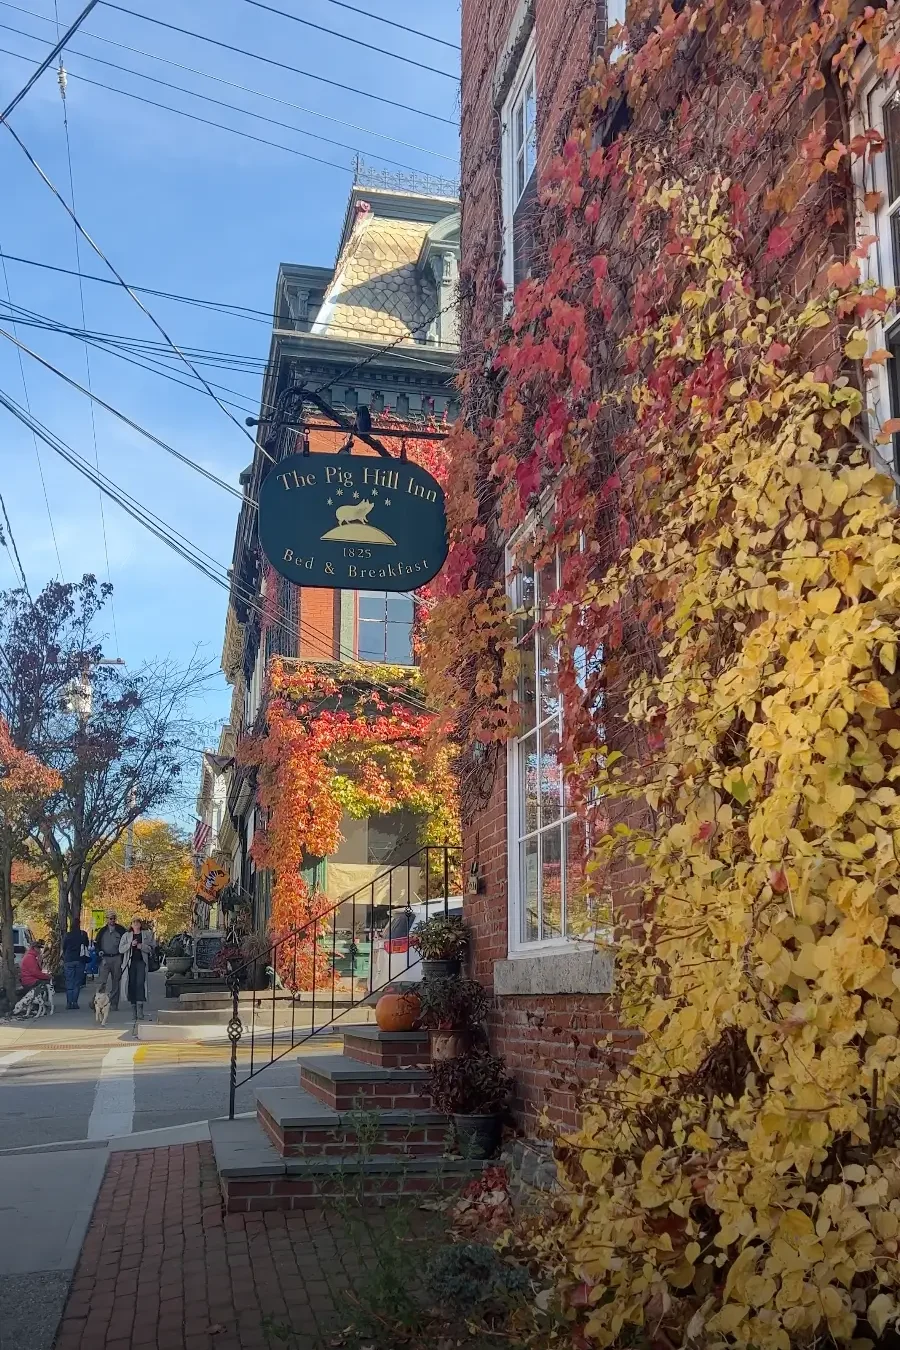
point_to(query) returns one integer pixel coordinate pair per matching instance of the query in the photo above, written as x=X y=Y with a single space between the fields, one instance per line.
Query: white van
x=393 y=956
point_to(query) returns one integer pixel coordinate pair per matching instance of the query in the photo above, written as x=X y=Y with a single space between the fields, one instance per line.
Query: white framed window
x=546 y=839
x=384 y=624
x=518 y=168
x=877 y=180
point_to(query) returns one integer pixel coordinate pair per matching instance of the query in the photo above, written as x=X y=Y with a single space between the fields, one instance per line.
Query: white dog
x=101 y=1006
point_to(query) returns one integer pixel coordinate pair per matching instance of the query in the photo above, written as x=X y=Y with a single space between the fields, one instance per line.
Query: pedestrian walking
x=137 y=947
x=108 y=942
x=74 y=955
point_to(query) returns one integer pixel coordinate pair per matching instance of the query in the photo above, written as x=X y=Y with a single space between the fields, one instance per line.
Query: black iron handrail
x=440 y=864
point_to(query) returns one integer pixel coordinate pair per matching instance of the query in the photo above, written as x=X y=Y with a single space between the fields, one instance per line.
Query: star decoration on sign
x=387 y=501
x=330 y=502
x=356 y=496
x=340 y=492
x=374 y=492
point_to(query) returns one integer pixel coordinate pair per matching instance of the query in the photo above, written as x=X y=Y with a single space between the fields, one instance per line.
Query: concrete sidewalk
x=79 y=1027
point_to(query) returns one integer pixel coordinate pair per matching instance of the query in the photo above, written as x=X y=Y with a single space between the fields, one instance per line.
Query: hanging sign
x=353 y=524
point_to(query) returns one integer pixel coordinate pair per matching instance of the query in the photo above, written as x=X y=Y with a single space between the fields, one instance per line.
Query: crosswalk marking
x=14 y=1057
x=113 y=1111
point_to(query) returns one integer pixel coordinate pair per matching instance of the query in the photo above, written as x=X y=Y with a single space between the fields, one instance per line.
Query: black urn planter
x=440 y=970
x=478 y=1136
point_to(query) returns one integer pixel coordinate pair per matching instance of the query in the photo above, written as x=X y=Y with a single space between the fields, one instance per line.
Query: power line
x=345 y=37
x=135 y=426
x=281 y=65
x=195 y=117
x=37 y=452
x=10 y=542
x=231 y=84
x=404 y=28
x=227 y=307
x=87 y=359
x=207 y=98
x=48 y=60
x=140 y=304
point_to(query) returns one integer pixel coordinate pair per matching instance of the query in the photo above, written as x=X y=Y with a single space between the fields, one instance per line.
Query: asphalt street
x=51 y=1096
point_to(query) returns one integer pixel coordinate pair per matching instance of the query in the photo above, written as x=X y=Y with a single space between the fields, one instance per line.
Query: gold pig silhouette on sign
x=352 y=528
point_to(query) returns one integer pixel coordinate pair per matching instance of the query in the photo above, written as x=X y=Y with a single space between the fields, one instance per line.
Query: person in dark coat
x=74 y=955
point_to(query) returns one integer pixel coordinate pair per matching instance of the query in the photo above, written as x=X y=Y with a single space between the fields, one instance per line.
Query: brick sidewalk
x=162 y=1269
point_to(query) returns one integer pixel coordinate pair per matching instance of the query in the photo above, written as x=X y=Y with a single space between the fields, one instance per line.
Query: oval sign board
x=353 y=523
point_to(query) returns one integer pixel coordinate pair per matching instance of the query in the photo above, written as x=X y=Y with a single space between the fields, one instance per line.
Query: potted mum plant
x=441 y=942
x=475 y=1090
x=450 y=1009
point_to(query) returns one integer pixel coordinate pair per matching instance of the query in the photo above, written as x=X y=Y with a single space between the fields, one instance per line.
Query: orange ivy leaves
x=335 y=744
x=25 y=784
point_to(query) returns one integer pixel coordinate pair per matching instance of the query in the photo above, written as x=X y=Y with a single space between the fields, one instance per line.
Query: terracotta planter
x=449 y=1044
x=397 y=1012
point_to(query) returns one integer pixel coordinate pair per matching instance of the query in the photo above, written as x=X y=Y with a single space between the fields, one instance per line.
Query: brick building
x=376 y=331
x=523 y=65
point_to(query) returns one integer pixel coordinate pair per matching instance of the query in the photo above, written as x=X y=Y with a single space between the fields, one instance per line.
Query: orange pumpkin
x=397 y=1012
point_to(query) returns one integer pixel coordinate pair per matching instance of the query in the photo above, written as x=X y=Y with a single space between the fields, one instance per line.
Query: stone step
x=299 y=1125
x=345 y=1084
x=193 y=1017
x=387 y=1049
x=253 y=1175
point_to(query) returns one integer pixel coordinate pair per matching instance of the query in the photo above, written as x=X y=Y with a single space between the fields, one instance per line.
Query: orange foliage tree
x=333 y=745
x=25 y=785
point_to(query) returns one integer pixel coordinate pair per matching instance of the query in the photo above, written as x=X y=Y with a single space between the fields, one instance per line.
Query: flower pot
x=449 y=1044
x=397 y=1012
x=478 y=1136
x=439 y=970
x=178 y=965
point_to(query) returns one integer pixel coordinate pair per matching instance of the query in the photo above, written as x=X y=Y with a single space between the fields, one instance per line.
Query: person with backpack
x=74 y=955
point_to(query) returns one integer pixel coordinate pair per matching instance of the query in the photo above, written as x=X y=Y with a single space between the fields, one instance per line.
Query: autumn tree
x=25 y=786
x=117 y=739
x=159 y=885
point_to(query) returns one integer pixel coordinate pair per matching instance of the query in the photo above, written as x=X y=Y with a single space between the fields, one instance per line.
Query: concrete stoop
x=355 y=1128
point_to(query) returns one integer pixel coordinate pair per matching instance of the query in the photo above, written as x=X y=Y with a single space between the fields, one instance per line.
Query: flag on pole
x=202 y=832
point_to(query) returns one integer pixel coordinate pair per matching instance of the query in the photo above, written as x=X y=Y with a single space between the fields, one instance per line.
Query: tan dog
x=101 y=1007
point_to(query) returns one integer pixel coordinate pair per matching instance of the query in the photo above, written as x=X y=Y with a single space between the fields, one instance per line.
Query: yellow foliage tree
x=160 y=885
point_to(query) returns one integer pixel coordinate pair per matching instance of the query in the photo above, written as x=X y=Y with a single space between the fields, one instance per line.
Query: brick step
x=387 y=1049
x=345 y=1084
x=253 y=1176
x=299 y=1125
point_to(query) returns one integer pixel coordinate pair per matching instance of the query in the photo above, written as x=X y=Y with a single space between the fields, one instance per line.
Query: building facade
x=524 y=65
x=375 y=332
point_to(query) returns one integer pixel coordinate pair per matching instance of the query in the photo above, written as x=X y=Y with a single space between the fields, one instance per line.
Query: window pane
x=528 y=779
x=520 y=175
x=371 y=642
x=551 y=883
x=527 y=676
x=530 y=128
x=529 y=889
x=372 y=606
x=399 y=609
x=392 y=837
x=399 y=644
x=892 y=134
x=551 y=775
x=893 y=343
x=548 y=664
x=519 y=127
x=579 y=909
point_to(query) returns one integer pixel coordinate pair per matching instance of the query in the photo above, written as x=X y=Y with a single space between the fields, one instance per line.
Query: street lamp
x=78 y=695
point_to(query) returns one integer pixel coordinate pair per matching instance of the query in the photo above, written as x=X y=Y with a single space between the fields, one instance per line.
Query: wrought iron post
x=235 y=1032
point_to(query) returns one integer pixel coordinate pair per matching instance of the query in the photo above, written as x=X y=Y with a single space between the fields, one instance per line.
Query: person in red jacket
x=32 y=972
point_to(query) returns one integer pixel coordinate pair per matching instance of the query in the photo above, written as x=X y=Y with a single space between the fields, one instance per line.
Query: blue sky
x=187 y=208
